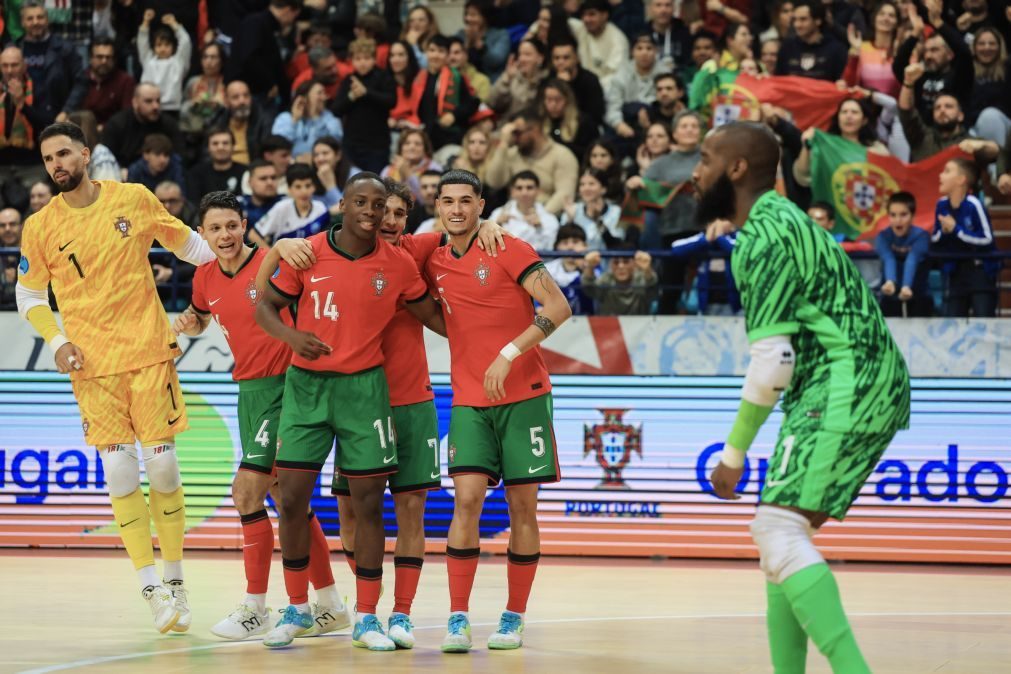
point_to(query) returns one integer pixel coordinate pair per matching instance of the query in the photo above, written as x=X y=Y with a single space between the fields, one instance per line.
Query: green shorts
x=259 y=416
x=354 y=409
x=513 y=442
x=417 y=428
x=819 y=470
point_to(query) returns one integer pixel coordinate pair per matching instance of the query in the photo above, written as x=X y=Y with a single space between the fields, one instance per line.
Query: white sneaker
x=509 y=634
x=162 y=607
x=401 y=630
x=328 y=619
x=368 y=633
x=457 y=638
x=291 y=624
x=242 y=623
x=175 y=587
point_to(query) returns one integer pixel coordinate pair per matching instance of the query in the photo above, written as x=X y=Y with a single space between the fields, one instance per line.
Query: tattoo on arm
x=546 y=325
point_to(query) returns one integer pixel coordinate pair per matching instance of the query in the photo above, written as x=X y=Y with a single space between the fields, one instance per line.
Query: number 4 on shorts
x=262 y=437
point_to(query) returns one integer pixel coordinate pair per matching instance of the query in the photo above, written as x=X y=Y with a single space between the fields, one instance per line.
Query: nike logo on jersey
x=254 y=456
x=313 y=279
x=166 y=513
x=213 y=302
x=435 y=476
x=531 y=471
x=387 y=459
x=172 y=421
x=438 y=277
x=66 y=244
x=121 y=525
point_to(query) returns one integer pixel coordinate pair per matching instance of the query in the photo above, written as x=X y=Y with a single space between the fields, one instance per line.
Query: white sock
x=148 y=576
x=329 y=597
x=302 y=608
x=257 y=601
x=361 y=616
x=465 y=614
x=173 y=570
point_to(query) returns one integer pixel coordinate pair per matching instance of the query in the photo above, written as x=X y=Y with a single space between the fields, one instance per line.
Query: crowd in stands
x=566 y=110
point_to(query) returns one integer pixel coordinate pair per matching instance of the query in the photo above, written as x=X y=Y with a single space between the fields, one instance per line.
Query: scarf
x=20 y=134
x=447 y=91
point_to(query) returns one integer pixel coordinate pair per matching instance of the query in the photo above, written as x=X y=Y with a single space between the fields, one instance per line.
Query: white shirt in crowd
x=541 y=237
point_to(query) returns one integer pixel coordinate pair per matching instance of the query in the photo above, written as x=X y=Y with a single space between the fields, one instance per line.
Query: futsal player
x=501 y=426
x=92 y=242
x=336 y=388
x=816 y=333
x=225 y=290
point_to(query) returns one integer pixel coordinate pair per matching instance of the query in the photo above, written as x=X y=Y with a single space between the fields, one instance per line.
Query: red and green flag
x=721 y=96
x=653 y=195
x=858 y=183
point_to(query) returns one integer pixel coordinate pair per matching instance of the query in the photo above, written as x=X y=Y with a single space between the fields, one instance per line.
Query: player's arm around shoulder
x=417 y=300
x=298 y=253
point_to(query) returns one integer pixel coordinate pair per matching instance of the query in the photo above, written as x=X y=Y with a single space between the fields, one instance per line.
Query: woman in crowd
x=870 y=61
x=991 y=95
x=563 y=121
x=517 y=87
x=308 y=119
x=333 y=168
x=487 y=48
x=656 y=144
x=420 y=28
x=595 y=214
x=413 y=157
x=474 y=152
x=854 y=122
x=204 y=94
x=603 y=157
x=403 y=66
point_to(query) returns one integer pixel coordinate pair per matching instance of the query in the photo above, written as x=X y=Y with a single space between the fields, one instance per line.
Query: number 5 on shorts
x=537 y=441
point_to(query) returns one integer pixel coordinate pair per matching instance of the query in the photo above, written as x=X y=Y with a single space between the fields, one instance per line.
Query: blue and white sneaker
x=368 y=633
x=401 y=630
x=509 y=634
x=458 y=635
x=292 y=624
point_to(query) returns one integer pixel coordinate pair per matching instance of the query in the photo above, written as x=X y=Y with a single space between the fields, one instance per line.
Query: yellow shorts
x=145 y=405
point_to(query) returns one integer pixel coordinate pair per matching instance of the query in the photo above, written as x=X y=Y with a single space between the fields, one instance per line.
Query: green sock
x=814 y=596
x=787 y=639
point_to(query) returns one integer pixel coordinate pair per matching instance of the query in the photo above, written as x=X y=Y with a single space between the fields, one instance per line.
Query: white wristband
x=731 y=457
x=509 y=352
x=56 y=342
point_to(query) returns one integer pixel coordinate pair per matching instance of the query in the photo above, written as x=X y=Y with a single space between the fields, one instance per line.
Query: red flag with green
x=858 y=183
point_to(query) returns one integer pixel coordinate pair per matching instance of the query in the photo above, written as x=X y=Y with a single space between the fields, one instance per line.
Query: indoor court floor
x=82 y=611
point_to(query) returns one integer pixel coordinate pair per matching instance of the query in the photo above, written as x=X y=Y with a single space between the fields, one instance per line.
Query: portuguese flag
x=653 y=195
x=722 y=96
x=858 y=184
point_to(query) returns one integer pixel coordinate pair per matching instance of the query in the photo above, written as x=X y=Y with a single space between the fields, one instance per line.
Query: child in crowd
x=629 y=286
x=568 y=271
x=364 y=100
x=169 y=62
x=157 y=163
x=298 y=215
x=903 y=244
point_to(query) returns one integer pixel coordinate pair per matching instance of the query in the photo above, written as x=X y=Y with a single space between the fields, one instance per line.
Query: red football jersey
x=231 y=300
x=486 y=307
x=406 y=363
x=347 y=302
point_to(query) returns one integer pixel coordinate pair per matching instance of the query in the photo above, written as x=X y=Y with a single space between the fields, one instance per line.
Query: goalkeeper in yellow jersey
x=91 y=242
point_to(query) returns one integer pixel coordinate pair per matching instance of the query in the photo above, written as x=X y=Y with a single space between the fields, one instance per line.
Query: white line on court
x=707 y=616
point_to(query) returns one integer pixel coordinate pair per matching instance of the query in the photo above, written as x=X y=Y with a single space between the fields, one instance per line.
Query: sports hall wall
x=641 y=407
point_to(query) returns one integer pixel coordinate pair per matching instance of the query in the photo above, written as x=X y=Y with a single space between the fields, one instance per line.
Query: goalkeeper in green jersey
x=818 y=337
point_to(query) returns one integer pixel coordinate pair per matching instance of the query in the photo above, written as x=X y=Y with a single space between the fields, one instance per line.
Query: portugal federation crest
x=85 y=426
x=379 y=282
x=482 y=272
x=123 y=226
x=251 y=292
x=613 y=443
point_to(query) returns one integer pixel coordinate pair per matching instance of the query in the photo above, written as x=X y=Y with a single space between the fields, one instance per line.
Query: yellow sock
x=169 y=514
x=134 y=522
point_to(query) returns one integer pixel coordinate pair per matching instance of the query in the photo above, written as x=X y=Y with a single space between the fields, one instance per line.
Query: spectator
x=371 y=26
x=277 y=151
x=420 y=29
x=946 y=62
x=553 y=22
x=525 y=147
x=565 y=65
x=249 y=124
x=102 y=164
x=125 y=131
x=53 y=66
x=263 y=192
x=364 y=101
x=423 y=217
x=19 y=158
x=961 y=224
x=487 y=48
x=323 y=68
x=315 y=36
x=218 y=173
x=523 y=216
x=903 y=244
x=568 y=271
x=718 y=16
x=10 y=237
x=563 y=121
x=669 y=101
x=853 y=122
x=261 y=46
x=656 y=144
x=413 y=157
x=308 y=119
x=823 y=215
x=518 y=86
x=769 y=55
x=632 y=88
x=811 y=52
x=474 y=152
x=296 y=216
x=869 y=64
x=204 y=94
x=333 y=168
x=736 y=46
x=603 y=48
x=714 y=299
x=39 y=194
x=167 y=64
x=704 y=49
x=403 y=68
x=672 y=38
x=442 y=100
x=109 y=88
x=459 y=59
x=947 y=129
x=599 y=218
x=991 y=94
x=602 y=156
x=170 y=194
x=780 y=24
x=157 y=163
x=977 y=15
x=627 y=288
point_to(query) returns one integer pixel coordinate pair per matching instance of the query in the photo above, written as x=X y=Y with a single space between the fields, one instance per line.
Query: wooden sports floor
x=82 y=611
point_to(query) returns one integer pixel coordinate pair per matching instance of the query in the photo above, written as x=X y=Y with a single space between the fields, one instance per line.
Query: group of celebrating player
x=328 y=344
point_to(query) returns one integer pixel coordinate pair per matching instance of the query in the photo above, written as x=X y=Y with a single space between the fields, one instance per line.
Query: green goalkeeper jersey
x=795 y=279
